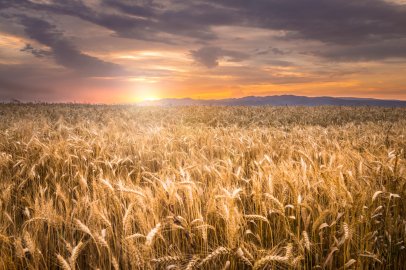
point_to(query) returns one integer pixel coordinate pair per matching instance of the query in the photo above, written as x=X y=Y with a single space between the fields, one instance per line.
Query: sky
x=119 y=51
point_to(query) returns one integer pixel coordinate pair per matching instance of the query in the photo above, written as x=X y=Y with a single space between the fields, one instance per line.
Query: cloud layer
x=209 y=56
x=64 y=53
x=156 y=46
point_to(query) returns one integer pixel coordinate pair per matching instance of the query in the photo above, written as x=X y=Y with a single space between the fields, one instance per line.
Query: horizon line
x=16 y=101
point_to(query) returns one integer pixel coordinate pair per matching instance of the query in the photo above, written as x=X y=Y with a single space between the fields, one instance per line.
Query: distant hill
x=278 y=101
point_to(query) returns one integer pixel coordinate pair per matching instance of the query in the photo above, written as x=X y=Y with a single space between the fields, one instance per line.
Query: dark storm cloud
x=334 y=21
x=9 y=3
x=209 y=56
x=279 y=63
x=194 y=20
x=24 y=88
x=64 y=53
x=364 y=53
x=36 y=52
x=22 y=92
x=146 y=9
x=347 y=23
x=146 y=20
x=279 y=52
x=262 y=53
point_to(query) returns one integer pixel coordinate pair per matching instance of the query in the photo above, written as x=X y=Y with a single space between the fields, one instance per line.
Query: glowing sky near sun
x=116 y=51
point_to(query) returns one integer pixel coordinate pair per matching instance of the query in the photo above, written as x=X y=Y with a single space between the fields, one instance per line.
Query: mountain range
x=281 y=100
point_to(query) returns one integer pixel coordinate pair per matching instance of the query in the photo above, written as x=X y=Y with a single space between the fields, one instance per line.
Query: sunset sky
x=117 y=51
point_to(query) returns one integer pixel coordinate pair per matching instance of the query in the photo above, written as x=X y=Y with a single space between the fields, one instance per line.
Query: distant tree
x=15 y=101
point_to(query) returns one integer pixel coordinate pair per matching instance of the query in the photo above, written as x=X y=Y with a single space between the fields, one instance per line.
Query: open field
x=126 y=187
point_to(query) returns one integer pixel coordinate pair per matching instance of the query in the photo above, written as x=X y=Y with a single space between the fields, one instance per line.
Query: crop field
x=127 y=187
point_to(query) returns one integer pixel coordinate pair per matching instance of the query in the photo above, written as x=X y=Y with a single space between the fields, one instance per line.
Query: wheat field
x=127 y=187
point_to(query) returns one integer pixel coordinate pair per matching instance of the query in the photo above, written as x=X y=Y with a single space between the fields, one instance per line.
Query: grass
x=126 y=187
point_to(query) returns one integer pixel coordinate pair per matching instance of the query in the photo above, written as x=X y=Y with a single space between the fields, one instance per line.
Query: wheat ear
x=115 y=263
x=167 y=259
x=151 y=235
x=29 y=243
x=320 y=219
x=306 y=240
x=75 y=254
x=64 y=264
x=277 y=202
x=246 y=252
x=262 y=262
x=192 y=263
x=257 y=217
x=226 y=265
x=346 y=231
x=215 y=254
x=127 y=218
x=83 y=227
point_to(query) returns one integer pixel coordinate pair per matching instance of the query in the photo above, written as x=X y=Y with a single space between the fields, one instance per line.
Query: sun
x=151 y=98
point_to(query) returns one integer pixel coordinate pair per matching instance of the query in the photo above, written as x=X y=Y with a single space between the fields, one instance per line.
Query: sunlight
x=151 y=98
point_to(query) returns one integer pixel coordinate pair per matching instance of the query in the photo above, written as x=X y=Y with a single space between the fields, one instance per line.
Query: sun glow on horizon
x=152 y=98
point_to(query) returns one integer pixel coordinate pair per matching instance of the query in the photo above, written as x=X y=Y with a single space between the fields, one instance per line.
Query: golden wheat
x=193 y=187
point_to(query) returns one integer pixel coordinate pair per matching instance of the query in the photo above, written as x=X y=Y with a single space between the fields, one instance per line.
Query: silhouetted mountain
x=278 y=101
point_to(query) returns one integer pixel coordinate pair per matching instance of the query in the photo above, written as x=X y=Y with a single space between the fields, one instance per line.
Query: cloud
x=189 y=21
x=145 y=9
x=37 y=53
x=335 y=21
x=279 y=52
x=262 y=53
x=364 y=53
x=21 y=82
x=146 y=20
x=22 y=92
x=6 y=4
x=319 y=32
x=209 y=56
x=65 y=53
x=279 y=63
